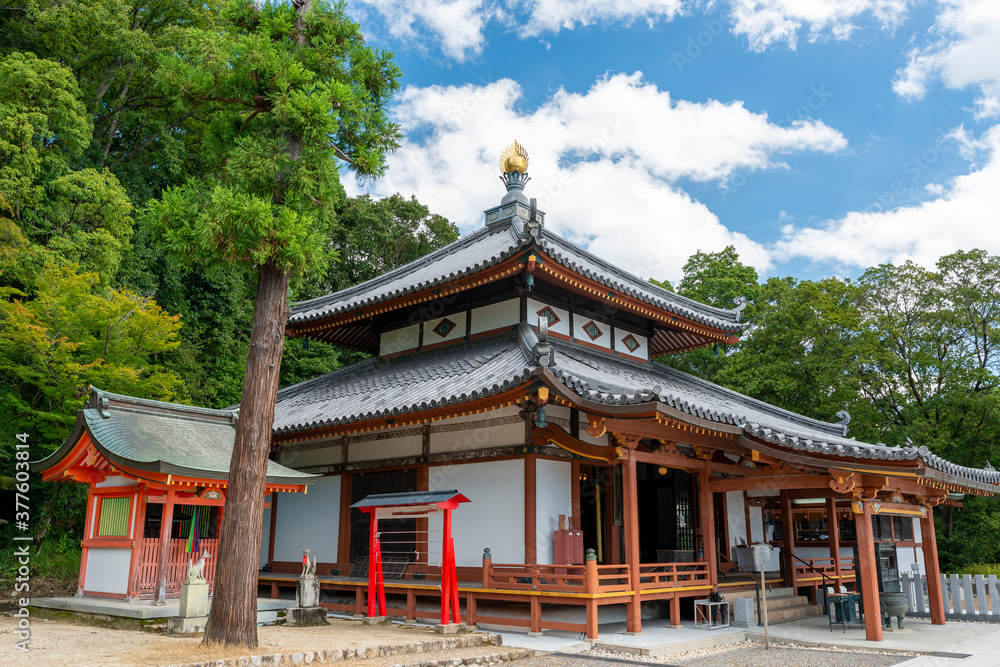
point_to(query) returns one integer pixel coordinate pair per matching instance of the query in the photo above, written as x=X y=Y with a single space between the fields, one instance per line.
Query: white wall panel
x=309 y=521
x=496 y=315
x=495 y=516
x=374 y=450
x=603 y=338
x=560 y=326
x=399 y=340
x=620 y=344
x=553 y=496
x=107 y=570
x=265 y=540
x=117 y=480
x=452 y=326
x=737 y=518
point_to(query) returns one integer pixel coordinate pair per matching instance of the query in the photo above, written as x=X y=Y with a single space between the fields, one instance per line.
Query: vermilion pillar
x=833 y=532
x=934 y=591
x=866 y=567
x=166 y=527
x=706 y=513
x=633 y=611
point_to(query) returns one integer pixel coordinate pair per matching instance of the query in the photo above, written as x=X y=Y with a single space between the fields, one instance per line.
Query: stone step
x=792 y=613
x=494 y=655
x=752 y=593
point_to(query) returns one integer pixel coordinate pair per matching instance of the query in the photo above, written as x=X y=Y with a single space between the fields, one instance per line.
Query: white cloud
x=961 y=51
x=961 y=218
x=556 y=15
x=605 y=164
x=458 y=24
x=768 y=22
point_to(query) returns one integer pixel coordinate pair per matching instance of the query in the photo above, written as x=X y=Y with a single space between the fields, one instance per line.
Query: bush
x=985 y=569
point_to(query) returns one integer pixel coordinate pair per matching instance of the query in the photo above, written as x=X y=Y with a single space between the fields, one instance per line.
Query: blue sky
x=818 y=136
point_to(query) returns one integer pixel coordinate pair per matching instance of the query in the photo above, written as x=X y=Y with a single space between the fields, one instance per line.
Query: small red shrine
x=156 y=475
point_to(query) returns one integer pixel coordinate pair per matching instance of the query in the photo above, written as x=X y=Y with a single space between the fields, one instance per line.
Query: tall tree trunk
x=233 y=616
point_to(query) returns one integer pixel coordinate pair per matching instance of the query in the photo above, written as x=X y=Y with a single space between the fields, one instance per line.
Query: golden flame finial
x=515 y=158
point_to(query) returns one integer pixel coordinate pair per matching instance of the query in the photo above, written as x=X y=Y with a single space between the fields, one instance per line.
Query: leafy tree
x=285 y=90
x=716 y=279
x=373 y=237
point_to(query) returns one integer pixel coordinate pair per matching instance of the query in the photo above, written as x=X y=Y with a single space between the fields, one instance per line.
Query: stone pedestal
x=307 y=610
x=305 y=616
x=743 y=613
x=449 y=628
x=307 y=591
x=372 y=620
x=193 y=613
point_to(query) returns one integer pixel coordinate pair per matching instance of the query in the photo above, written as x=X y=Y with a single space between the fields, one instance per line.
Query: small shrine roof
x=159 y=437
x=410 y=498
x=386 y=389
x=489 y=246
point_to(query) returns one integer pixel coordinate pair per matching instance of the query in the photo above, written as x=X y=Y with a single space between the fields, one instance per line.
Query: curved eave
x=57 y=464
x=893 y=461
x=434 y=411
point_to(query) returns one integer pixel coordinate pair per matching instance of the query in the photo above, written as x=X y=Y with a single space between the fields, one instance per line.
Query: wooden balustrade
x=825 y=566
x=590 y=578
x=672 y=575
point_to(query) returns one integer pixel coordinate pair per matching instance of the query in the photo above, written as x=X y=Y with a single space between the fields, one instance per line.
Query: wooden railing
x=672 y=575
x=820 y=566
x=177 y=565
x=590 y=578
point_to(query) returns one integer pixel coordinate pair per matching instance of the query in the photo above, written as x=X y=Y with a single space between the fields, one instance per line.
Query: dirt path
x=61 y=643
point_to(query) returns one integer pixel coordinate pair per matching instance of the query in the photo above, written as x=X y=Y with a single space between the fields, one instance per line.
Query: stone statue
x=196 y=569
x=308 y=564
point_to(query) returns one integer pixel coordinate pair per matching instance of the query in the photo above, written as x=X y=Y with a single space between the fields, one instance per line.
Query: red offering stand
x=416 y=505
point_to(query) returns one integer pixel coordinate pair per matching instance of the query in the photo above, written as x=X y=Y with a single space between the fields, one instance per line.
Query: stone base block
x=179 y=625
x=449 y=628
x=267 y=617
x=372 y=620
x=305 y=616
x=536 y=634
x=743 y=613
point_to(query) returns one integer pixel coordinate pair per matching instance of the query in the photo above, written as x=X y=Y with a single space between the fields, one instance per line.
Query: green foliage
x=280 y=115
x=374 y=237
x=716 y=279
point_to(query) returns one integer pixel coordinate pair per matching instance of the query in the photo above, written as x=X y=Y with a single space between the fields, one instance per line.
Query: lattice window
x=548 y=314
x=631 y=343
x=403 y=538
x=684 y=508
x=444 y=327
x=592 y=330
x=114 y=517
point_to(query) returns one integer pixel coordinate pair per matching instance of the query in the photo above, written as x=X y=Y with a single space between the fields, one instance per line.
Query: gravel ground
x=743 y=654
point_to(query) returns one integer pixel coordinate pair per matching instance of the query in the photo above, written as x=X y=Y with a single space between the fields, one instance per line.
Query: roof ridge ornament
x=845 y=419
x=543 y=354
x=740 y=302
x=514 y=172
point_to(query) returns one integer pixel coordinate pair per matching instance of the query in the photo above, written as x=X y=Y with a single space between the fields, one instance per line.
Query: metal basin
x=894 y=604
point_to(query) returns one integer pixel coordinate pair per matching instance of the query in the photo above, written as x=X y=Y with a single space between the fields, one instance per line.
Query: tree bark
x=233 y=616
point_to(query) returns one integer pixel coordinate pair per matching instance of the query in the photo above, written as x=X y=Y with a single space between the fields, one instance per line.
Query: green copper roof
x=163 y=437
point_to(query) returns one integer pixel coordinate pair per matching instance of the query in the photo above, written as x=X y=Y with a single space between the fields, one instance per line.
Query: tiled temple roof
x=376 y=389
x=163 y=437
x=491 y=245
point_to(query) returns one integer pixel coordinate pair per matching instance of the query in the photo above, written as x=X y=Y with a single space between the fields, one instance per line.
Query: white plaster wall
x=822 y=552
x=560 y=327
x=604 y=340
x=107 y=570
x=116 y=481
x=756 y=524
x=495 y=316
x=265 y=538
x=312 y=457
x=553 y=496
x=907 y=556
x=399 y=340
x=457 y=332
x=493 y=518
x=309 y=521
x=737 y=518
x=411 y=445
x=484 y=437
x=642 y=351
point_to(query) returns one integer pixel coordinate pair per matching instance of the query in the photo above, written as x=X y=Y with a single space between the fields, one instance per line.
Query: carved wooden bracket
x=628 y=440
x=843 y=482
x=703 y=453
x=668 y=447
x=596 y=427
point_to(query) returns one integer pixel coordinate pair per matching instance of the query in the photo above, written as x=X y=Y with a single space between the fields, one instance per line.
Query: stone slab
x=186 y=625
x=305 y=616
x=449 y=628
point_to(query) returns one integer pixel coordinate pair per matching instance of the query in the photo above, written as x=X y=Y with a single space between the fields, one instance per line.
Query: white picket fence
x=967 y=597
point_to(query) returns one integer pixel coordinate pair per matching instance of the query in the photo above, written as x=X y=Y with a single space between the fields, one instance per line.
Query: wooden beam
x=670 y=460
x=344 y=532
x=574 y=491
x=866 y=567
x=770 y=482
x=706 y=519
x=273 y=529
